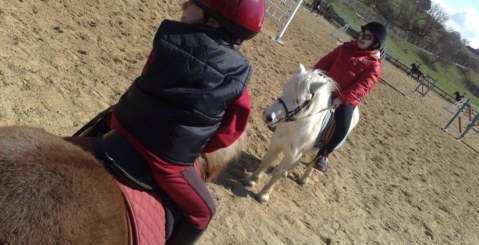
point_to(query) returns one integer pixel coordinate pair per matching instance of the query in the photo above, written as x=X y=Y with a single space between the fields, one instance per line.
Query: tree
x=476 y=51
x=408 y=13
x=448 y=46
x=414 y=9
x=401 y=8
x=386 y=8
x=373 y=4
x=435 y=19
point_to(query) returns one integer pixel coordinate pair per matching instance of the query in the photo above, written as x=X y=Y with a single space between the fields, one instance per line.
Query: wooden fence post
x=459 y=111
x=469 y=126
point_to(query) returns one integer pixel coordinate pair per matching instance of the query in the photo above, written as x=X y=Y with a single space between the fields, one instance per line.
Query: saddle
x=143 y=195
x=124 y=162
x=144 y=198
x=326 y=131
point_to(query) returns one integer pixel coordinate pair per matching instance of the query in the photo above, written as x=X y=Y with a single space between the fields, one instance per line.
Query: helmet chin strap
x=209 y=20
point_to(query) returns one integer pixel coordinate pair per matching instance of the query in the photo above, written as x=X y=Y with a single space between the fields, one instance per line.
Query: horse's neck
x=300 y=135
x=314 y=116
x=321 y=101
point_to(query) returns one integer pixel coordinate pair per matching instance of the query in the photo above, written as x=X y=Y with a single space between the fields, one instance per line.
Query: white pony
x=298 y=116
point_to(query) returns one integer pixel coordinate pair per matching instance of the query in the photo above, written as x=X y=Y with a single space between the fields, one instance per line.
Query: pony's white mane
x=319 y=83
x=307 y=92
x=319 y=76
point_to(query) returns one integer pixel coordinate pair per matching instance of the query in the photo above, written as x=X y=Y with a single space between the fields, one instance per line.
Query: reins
x=317 y=113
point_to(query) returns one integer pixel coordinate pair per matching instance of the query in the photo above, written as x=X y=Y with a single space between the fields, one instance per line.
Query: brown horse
x=54 y=192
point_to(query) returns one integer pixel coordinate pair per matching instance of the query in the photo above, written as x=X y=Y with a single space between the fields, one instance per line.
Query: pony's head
x=299 y=92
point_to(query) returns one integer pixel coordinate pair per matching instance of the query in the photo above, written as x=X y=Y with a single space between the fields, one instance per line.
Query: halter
x=290 y=115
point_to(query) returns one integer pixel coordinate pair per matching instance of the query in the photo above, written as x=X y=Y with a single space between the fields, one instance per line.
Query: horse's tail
x=216 y=161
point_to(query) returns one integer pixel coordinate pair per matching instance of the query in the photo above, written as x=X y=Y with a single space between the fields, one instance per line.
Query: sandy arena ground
x=397 y=180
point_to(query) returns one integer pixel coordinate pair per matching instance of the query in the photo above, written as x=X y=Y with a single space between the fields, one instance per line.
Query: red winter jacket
x=356 y=71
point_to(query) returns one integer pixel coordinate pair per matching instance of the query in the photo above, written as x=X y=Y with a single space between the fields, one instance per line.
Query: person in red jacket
x=355 y=66
x=191 y=98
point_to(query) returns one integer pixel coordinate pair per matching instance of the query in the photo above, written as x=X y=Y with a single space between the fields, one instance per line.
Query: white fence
x=283 y=15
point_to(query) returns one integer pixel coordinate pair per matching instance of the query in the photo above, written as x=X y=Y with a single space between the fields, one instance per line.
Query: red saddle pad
x=146 y=216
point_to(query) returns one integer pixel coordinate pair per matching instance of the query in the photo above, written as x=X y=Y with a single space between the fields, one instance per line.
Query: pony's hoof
x=248 y=182
x=303 y=183
x=262 y=198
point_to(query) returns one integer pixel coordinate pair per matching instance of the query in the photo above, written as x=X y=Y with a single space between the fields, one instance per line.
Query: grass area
x=450 y=78
x=350 y=16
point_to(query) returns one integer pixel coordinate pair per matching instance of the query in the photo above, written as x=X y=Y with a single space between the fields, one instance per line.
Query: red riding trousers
x=183 y=183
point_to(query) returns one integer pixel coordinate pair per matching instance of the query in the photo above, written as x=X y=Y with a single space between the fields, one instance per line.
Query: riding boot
x=185 y=234
x=321 y=162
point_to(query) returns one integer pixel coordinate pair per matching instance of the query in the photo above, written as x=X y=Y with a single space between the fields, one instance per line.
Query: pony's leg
x=304 y=180
x=271 y=154
x=280 y=171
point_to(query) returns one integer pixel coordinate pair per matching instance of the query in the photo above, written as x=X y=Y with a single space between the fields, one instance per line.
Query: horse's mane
x=313 y=80
x=43 y=179
x=319 y=76
x=322 y=85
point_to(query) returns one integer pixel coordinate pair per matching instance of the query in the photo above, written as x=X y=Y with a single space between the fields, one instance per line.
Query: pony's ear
x=301 y=68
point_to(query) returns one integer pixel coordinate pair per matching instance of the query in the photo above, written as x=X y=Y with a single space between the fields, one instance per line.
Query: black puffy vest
x=178 y=102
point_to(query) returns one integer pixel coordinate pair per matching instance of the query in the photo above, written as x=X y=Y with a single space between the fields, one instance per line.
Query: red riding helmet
x=243 y=18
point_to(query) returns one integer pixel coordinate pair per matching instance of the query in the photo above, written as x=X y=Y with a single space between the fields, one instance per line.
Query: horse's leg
x=271 y=154
x=304 y=180
x=280 y=171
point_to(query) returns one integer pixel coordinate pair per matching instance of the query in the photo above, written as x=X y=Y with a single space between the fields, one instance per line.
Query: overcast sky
x=463 y=17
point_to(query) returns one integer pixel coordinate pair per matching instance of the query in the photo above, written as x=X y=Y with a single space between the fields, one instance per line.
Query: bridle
x=291 y=115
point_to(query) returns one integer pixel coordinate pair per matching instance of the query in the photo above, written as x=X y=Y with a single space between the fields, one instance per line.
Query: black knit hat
x=378 y=30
